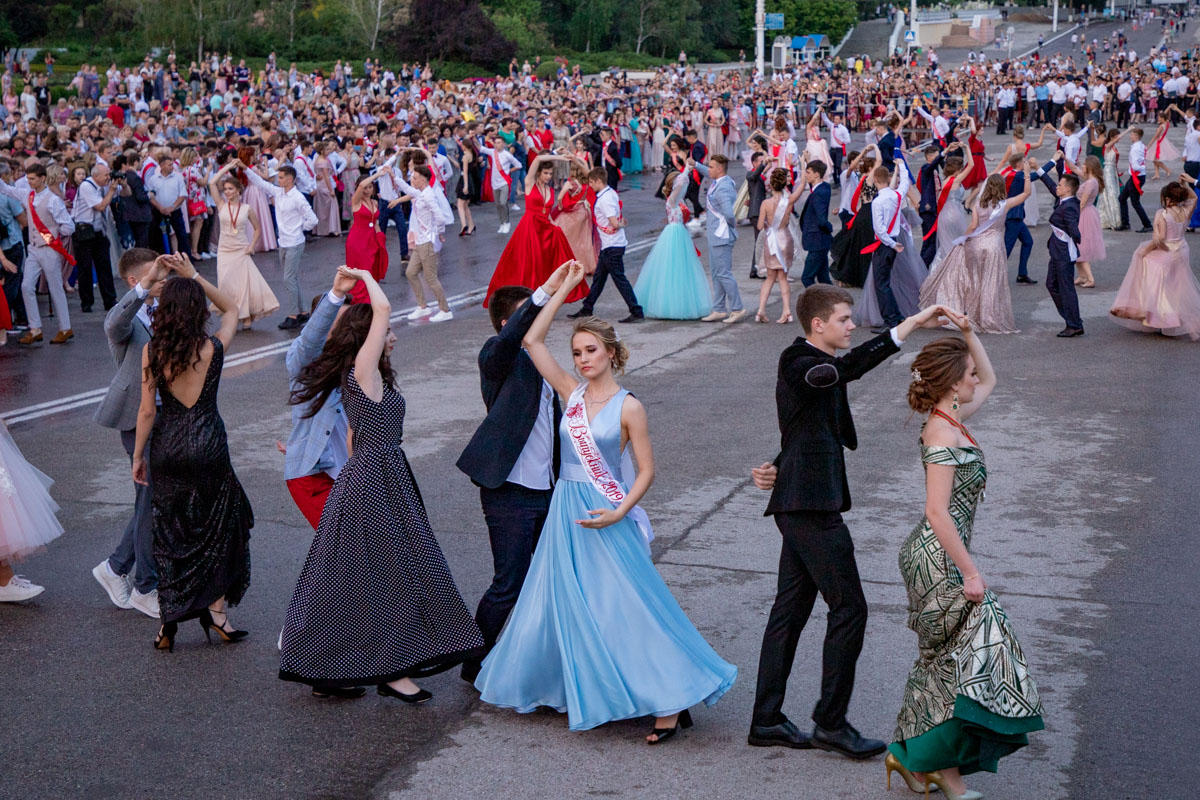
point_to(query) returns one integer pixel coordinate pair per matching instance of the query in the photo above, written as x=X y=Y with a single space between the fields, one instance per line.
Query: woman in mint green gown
x=596 y=632
x=969 y=699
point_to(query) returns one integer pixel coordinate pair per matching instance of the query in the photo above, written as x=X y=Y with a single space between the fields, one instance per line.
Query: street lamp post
x=760 y=21
x=1054 y=26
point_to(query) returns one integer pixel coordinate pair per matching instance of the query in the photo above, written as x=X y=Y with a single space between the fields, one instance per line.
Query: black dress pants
x=692 y=195
x=1130 y=194
x=611 y=262
x=817 y=556
x=91 y=255
x=882 y=261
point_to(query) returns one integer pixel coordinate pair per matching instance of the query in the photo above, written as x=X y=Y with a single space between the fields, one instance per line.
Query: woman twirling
x=1091 y=243
x=672 y=283
x=849 y=265
x=777 y=243
x=375 y=604
x=953 y=218
x=815 y=147
x=974 y=274
x=1160 y=149
x=969 y=700
x=573 y=214
x=366 y=245
x=1108 y=202
x=237 y=274
x=596 y=632
x=1160 y=293
x=325 y=205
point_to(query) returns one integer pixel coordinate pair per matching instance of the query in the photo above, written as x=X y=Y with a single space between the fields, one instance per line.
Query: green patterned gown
x=969 y=700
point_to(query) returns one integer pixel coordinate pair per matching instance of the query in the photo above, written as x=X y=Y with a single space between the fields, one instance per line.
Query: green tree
x=521 y=22
x=591 y=24
x=830 y=17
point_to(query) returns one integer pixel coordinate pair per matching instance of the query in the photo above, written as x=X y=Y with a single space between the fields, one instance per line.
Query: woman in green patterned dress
x=969 y=699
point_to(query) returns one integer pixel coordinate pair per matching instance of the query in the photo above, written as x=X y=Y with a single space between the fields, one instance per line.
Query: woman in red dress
x=979 y=170
x=537 y=246
x=366 y=247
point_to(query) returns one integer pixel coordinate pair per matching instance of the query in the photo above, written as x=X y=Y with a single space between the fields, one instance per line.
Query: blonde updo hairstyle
x=604 y=332
x=940 y=364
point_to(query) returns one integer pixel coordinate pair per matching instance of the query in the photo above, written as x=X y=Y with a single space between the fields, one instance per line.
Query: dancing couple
x=969 y=698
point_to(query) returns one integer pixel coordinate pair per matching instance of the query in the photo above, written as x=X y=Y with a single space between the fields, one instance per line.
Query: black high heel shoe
x=227 y=636
x=462 y=231
x=471 y=231
x=421 y=696
x=662 y=734
x=165 y=640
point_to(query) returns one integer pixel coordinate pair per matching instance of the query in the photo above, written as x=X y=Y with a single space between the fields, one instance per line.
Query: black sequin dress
x=375 y=600
x=202 y=518
x=849 y=264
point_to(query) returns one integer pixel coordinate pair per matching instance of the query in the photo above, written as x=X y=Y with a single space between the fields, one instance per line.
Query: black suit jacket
x=512 y=390
x=928 y=181
x=1065 y=217
x=815 y=423
x=757 y=188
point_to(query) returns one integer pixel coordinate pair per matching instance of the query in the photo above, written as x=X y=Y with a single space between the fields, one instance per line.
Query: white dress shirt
x=1137 y=157
x=535 y=464
x=167 y=188
x=306 y=176
x=500 y=166
x=430 y=216
x=838 y=134
x=293 y=214
x=1191 y=143
x=87 y=197
x=608 y=206
x=886 y=206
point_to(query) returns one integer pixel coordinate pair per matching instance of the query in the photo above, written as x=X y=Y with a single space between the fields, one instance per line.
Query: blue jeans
x=395 y=215
x=816 y=268
x=1015 y=229
x=725 y=288
x=515 y=516
x=135 y=551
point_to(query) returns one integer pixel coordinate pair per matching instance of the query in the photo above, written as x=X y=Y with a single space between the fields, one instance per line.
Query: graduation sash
x=55 y=243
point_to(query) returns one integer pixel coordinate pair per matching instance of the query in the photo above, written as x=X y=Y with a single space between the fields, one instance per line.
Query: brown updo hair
x=607 y=336
x=1173 y=194
x=940 y=364
x=779 y=179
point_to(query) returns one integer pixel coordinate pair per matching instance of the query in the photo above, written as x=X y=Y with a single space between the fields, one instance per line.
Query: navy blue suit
x=1015 y=228
x=1060 y=277
x=515 y=514
x=816 y=235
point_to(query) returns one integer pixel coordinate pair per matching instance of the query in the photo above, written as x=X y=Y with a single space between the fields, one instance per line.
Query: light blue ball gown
x=596 y=632
x=672 y=283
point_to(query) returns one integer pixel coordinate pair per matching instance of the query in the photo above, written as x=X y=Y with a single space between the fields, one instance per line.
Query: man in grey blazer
x=127 y=326
x=721 y=231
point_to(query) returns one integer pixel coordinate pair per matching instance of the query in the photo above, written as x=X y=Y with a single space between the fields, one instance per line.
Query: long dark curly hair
x=179 y=329
x=329 y=370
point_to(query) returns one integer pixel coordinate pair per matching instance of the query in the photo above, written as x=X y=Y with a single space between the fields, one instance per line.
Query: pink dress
x=1091 y=233
x=1160 y=293
x=257 y=199
x=1162 y=150
x=817 y=149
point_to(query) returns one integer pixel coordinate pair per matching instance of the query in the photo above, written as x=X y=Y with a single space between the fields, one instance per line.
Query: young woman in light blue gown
x=672 y=283
x=596 y=632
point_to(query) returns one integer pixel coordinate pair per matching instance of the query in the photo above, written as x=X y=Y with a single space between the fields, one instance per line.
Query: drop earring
x=954 y=402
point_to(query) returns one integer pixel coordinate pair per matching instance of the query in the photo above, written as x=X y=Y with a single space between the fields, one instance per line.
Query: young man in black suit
x=1064 y=248
x=815 y=231
x=513 y=457
x=810 y=494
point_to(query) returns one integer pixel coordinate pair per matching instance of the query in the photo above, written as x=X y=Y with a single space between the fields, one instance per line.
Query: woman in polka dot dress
x=375 y=603
x=596 y=632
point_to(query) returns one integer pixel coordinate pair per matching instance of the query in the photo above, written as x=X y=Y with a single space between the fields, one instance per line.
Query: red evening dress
x=979 y=170
x=536 y=248
x=366 y=248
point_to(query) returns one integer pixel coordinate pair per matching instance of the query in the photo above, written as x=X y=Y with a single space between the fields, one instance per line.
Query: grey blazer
x=127 y=336
x=721 y=198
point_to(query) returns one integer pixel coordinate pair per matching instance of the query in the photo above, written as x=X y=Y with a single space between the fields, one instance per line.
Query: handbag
x=196 y=208
x=84 y=232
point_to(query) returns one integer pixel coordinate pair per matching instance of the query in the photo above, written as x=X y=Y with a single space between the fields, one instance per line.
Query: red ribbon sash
x=873 y=246
x=941 y=202
x=55 y=244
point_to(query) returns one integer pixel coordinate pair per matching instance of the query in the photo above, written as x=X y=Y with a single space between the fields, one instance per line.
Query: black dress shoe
x=86 y=309
x=1069 y=332
x=583 y=312
x=847 y=741
x=1121 y=228
x=634 y=318
x=289 y=323
x=1145 y=229
x=1025 y=279
x=785 y=734
x=877 y=329
x=418 y=697
x=339 y=693
x=470 y=671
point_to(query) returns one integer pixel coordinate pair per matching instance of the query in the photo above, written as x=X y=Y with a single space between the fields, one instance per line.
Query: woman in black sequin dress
x=375 y=604
x=202 y=518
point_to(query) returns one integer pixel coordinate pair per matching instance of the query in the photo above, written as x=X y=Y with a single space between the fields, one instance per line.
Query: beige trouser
x=425 y=260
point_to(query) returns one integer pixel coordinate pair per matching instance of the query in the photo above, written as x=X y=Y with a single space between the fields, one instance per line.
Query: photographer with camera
x=91 y=245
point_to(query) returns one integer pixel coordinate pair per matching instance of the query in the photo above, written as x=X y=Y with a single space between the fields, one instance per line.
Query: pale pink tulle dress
x=1091 y=232
x=1160 y=293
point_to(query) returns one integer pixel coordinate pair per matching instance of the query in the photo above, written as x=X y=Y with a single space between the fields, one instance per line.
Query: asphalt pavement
x=1087 y=536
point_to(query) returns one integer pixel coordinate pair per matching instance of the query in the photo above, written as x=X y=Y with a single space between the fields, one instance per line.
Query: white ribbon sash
x=998 y=213
x=1062 y=236
x=593 y=464
x=722 y=231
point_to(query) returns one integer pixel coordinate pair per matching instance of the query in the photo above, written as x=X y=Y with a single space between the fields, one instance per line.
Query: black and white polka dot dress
x=375 y=600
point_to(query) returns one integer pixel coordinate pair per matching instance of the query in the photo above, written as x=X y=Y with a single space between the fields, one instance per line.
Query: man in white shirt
x=839 y=141
x=90 y=244
x=49 y=222
x=168 y=193
x=390 y=206
x=501 y=166
x=1131 y=192
x=887 y=220
x=1124 y=102
x=306 y=176
x=293 y=216
x=1058 y=99
x=610 y=222
x=1006 y=104
x=430 y=216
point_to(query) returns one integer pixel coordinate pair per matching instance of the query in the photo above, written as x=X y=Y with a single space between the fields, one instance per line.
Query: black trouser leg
x=141 y=233
x=836 y=154
x=611 y=263
x=1130 y=195
x=882 y=261
x=692 y=195
x=929 y=245
x=817 y=555
x=92 y=259
x=1060 y=282
x=754 y=250
x=183 y=240
x=12 y=284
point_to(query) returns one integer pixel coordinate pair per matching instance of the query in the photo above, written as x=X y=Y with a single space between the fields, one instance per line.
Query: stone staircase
x=869 y=37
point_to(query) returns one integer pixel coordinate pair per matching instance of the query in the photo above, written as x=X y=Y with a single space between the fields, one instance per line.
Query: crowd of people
x=174 y=170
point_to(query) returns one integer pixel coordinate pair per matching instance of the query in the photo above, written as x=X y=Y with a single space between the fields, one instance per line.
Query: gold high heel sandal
x=939 y=780
x=892 y=764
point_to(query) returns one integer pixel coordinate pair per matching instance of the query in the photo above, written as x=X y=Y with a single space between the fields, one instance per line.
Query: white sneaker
x=442 y=316
x=420 y=313
x=516 y=207
x=145 y=603
x=18 y=589
x=117 y=586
